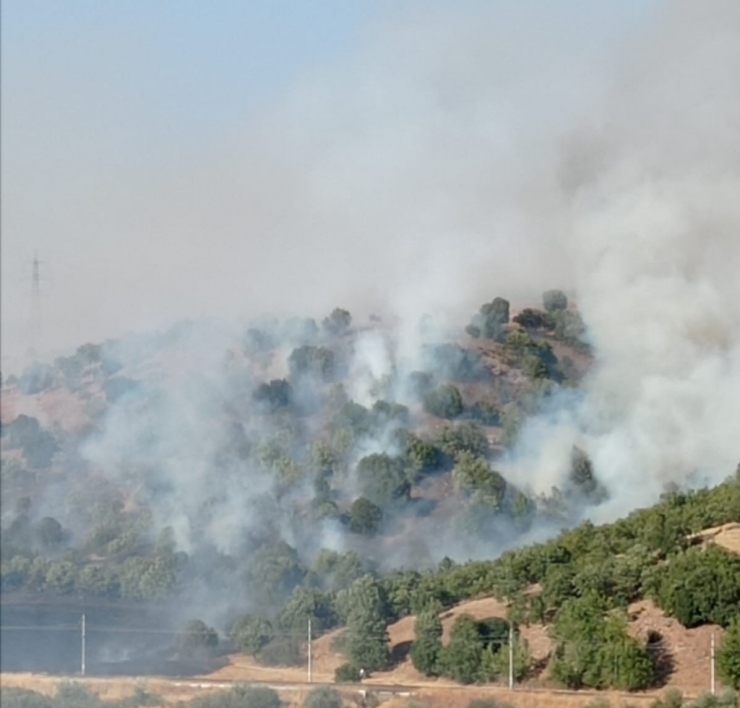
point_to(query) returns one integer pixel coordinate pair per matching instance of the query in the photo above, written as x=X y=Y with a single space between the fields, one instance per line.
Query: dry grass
x=688 y=649
x=55 y=407
x=172 y=691
x=727 y=536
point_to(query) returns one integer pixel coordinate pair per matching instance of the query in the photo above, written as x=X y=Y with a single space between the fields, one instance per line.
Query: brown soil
x=687 y=651
x=56 y=407
x=727 y=536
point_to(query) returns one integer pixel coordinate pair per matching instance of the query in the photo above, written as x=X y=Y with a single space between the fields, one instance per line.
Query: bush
x=473 y=475
x=257 y=697
x=492 y=319
x=273 y=396
x=347 y=673
x=12 y=697
x=700 y=586
x=251 y=633
x=364 y=517
x=465 y=437
x=486 y=703
x=312 y=361
x=534 y=319
x=728 y=655
x=196 y=637
x=323 y=697
x=383 y=479
x=461 y=658
x=425 y=651
x=238 y=697
x=282 y=652
x=485 y=413
x=553 y=300
x=338 y=322
x=444 y=402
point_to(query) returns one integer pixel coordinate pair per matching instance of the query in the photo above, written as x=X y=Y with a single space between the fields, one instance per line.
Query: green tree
x=553 y=300
x=314 y=361
x=425 y=650
x=271 y=397
x=461 y=658
x=492 y=318
x=338 y=322
x=347 y=673
x=251 y=633
x=366 y=634
x=383 y=479
x=306 y=604
x=463 y=437
x=365 y=517
x=728 y=654
x=196 y=637
x=699 y=586
x=473 y=475
x=444 y=402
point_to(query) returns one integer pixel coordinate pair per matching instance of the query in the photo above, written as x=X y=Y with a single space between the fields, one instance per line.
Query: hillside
x=291 y=471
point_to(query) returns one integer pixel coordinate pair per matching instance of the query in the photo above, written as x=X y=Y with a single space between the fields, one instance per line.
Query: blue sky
x=106 y=104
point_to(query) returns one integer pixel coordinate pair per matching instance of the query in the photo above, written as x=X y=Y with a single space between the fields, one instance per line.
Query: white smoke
x=655 y=247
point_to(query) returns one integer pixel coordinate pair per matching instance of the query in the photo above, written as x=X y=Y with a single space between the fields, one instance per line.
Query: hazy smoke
x=655 y=246
x=456 y=157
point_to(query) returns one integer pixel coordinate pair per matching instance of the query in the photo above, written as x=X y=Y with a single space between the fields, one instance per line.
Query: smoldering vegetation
x=231 y=469
x=245 y=469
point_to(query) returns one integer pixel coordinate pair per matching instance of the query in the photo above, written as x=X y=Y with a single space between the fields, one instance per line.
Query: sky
x=173 y=158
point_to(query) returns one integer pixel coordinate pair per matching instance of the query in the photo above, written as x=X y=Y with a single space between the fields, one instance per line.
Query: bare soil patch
x=727 y=536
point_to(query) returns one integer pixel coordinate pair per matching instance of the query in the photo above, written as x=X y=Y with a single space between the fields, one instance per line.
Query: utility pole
x=309 y=650
x=84 y=649
x=712 y=668
x=511 y=656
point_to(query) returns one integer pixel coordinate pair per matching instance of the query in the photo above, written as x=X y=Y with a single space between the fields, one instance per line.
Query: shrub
x=465 y=437
x=238 y=697
x=461 y=658
x=364 y=517
x=486 y=703
x=323 y=697
x=425 y=650
x=273 y=396
x=196 y=636
x=282 y=652
x=474 y=476
x=347 y=673
x=534 y=319
x=485 y=413
x=383 y=479
x=728 y=654
x=251 y=633
x=699 y=586
x=444 y=402
x=12 y=697
x=312 y=361
x=492 y=318
x=553 y=300
x=338 y=322
x=257 y=697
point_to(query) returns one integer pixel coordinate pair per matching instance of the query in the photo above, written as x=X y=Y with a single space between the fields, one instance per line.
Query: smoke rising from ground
x=655 y=246
x=453 y=158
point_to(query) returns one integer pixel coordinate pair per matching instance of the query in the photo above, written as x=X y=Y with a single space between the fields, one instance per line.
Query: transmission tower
x=35 y=306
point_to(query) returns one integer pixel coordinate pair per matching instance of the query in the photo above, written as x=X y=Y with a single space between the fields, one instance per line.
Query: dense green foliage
x=728 y=654
x=323 y=697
